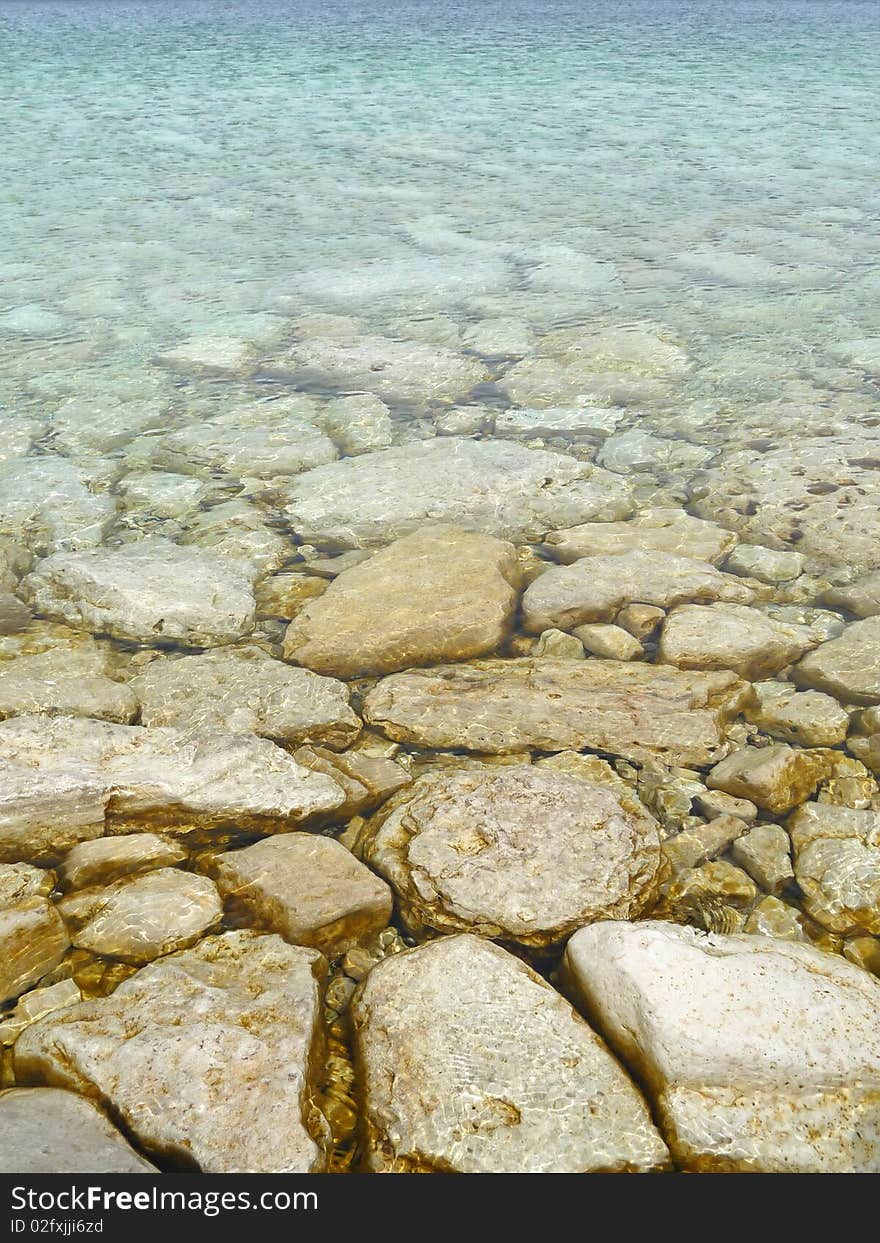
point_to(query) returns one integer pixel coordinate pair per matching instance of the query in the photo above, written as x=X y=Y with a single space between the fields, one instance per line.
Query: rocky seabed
x=423 y=760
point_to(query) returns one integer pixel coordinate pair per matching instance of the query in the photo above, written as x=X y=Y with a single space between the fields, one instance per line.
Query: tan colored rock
x=366 y=779
x=774 y=918
x=808 y=718
x=665 y=530
x=768 y=565
x=691 y=847
x=19 y=881
x=714 y=803
x=309 y=889
x=283 y=595
x=151 y=592
x=36 y=1004
x=139 y=918
x=847 y=667
x=65 y=681
x=523 y=854
x=861 y=597
x=718 y=881
x=775 y=778
x=640 y=620
x=500 y=706
x=731 y=636
x=758 y=1054
x=439 y=594
x=33 y=940
x=49 y=1131
x=244 y=690
x=837 y=865
x=209 y=1057
x=359 y=423
x=609 y=642
x=66 y=780
x=447 y=1041
x=558 y=645
x=594 y=589
x=765 y=853
x=864 y=952
x=14 y=615
x=108 y=859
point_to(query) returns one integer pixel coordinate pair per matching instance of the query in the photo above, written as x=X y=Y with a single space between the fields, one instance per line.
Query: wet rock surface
x=309 y=889
x=244 y=690
x=479 y=1110
x=436 y=595
x=152 y=591
x=757 y=1053
x=67 y=781
x=481 y=851
x=50 y=1131
x=209 y=1057
x=632 y=710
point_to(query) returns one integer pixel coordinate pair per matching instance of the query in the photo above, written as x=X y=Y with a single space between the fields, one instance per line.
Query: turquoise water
x=177 y=169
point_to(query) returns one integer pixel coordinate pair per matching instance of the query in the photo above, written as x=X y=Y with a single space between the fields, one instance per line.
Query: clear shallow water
x=172 y=169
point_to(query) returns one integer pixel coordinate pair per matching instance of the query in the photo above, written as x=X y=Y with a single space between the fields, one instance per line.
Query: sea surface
x=222 y=167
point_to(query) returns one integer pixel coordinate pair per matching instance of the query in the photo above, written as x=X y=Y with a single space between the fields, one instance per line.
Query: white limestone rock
x=471 y=1063
x=665 y=529
x=48 y=505
x=759 y=1055
x=495 y=487
x=50 y=1131
x=244 y=690
x=731 y=636
x=154 y=591
x=210 y=1057
x=847 y=667
x=521 y=854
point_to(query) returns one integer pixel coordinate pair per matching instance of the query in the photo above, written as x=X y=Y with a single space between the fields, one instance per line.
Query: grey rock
x=49 y=1131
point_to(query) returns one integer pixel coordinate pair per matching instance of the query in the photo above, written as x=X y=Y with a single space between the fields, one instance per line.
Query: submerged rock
x=765 y=853
x=398 y=371
x=66 y=780
x=861 y=597
x=593 y=589
x=820 y=494
x=495 y=487
x=309 y=889
x=448 y=1038
x=14 y=614
x=568 y=422
x=245 y=691
x=847 y=667
x=500 y=706
x=150 y=592
x=768 y=565
x=359 y=423
x=262 y=440
x=210 y=1057
x=664 y=529
x=731 y=636
x=240 y=532
x=33 y=940
x=140 y=918
x=522 y=854
x=65 y=680
x=837 y=865
x=108 y=859
x=808 y=718
x=49 y=1131
x=439 y=594
x=47 y=504
x=758 y=1054
x=775 y=778
x=210 y=355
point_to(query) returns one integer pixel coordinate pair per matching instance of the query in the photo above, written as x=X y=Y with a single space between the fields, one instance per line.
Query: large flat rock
x=847 y=667
x=522 y=854
x=595 y=588
x=471 y=1063
x=66 y=680
x=211 y=1057
x=436 y=595
x=732 y=636
x=758 y=1054
x=49 y=505
x=151 y=592
x=309 y=889
x=67 y=780
x=50 y=1131
x=664 y=529
x=496 y=487
x=244 y=690
x=498 y=706
x=819 y=496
